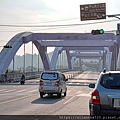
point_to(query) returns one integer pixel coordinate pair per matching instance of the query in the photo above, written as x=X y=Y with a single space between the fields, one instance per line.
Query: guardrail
x=15 y=77
x=70 y=76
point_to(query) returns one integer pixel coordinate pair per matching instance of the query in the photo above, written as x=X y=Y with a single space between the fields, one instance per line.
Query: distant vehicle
x=52 y=82
x=22 y=79
x=105 y=98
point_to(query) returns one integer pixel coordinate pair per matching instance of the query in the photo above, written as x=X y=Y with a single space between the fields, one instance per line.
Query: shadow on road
x=47 y=100
x=83 y=79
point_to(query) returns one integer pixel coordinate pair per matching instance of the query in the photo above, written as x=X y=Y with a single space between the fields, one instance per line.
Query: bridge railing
x=15 y=77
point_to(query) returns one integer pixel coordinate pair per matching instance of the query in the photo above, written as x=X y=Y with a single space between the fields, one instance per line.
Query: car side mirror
x=91 y=85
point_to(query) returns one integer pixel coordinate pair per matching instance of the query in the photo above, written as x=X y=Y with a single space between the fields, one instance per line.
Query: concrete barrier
x=72 y=75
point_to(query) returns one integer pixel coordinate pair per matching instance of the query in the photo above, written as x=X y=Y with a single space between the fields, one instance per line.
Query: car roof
x=107 y=72
x=49 y=71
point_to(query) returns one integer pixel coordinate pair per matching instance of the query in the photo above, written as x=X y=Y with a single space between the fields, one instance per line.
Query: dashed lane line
x=12 y=100
x=21 y=90
x=87 y=95
x=78 y=92
x=2 y=90
x=10 y=90
x=32 y=91
x=69 y=100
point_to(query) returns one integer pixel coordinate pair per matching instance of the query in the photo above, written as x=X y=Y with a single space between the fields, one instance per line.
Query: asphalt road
x=17 y=99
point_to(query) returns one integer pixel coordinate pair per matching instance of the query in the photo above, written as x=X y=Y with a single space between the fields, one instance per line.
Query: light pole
x=118 y=25
x=24 y=60
x=13 y=64
x=115 y=15
x=38 y=60
x=32 y=57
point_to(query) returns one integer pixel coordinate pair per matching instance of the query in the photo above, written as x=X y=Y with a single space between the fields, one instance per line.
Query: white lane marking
x=90 y=93
x=68 y=91
x=21 y=90
x=32 y=91
x=16 y=99
x=10 y=90
x=69 y=100
x=2 y=90
x=79 y=92
x=87 y=95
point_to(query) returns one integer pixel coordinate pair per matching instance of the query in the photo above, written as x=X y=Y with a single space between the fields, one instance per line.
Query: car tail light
x=57 y=83
x=95 y=97
x=41 y=82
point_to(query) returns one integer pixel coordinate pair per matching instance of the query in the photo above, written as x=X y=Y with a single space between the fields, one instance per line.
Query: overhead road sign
x=93 y=11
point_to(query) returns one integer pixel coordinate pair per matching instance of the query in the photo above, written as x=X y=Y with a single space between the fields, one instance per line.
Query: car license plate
x=49 y=83
x=116 y=103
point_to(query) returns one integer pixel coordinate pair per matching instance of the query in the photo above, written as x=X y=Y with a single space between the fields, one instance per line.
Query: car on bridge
x=105 y=98
x=52 y=82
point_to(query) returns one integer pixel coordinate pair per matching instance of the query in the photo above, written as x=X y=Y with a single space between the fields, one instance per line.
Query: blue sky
x=44 y=12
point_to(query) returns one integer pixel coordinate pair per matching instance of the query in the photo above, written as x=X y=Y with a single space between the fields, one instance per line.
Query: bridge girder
x=43 y=40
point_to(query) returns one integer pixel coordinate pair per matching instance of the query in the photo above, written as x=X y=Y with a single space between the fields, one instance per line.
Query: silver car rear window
x=49 y=76
x=111 y=80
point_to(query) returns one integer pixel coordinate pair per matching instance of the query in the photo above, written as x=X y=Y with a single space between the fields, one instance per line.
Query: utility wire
x=53 y=21
x=59 y=27
x=3 y=25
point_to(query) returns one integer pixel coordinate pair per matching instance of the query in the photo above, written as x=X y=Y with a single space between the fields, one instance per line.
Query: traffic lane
x=69 y=75
x=73 y=75
x=88 y=75
x=10 y=93
x=34 y=103
x=46 y=106
x=69 y=105
x=75 y=103
x=49 y=105
x=85 y=77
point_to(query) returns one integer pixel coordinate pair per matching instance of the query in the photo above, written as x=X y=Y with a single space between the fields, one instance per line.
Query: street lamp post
x=24 y=60
x=115 y=15
x=32 y=57
x=118 y=25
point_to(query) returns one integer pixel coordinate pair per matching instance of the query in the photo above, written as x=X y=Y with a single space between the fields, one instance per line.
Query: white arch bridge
x=107 y=42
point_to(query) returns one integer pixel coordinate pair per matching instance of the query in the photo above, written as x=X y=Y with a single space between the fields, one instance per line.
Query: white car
x=52 y=82
x=105 y=97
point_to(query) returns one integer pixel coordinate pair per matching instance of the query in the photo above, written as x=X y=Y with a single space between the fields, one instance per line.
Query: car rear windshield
x=111 y=80
x=49 y=76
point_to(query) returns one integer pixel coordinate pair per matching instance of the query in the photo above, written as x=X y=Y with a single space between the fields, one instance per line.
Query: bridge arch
x=16 y=42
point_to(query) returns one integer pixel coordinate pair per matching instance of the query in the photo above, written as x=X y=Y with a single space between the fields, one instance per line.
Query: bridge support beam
x=43 y=53
x=104 y=59
x=54 y=58
x=69 y=60
x=73 y=62
x=80 y=63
